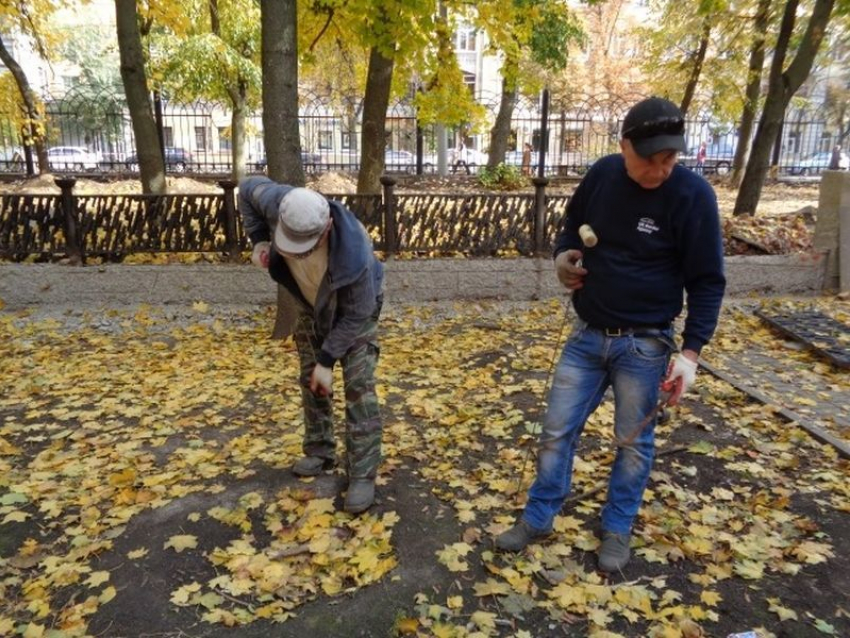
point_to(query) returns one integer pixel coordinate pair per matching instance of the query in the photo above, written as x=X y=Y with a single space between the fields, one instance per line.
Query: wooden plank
x=841 y=446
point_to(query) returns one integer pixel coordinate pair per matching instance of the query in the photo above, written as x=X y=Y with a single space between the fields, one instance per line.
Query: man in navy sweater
x=658 y=238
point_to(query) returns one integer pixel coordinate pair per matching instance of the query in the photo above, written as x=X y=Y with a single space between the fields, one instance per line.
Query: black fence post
x=231 y=240
x=389 y=183
x=540 y=247
x=73 y=245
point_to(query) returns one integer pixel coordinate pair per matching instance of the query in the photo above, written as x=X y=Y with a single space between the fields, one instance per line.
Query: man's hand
x=567 y=266
x=260 y=255
x=681 y=375
x=321 y=381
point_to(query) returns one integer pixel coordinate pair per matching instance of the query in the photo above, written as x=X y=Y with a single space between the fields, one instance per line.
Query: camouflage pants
x=362 y=415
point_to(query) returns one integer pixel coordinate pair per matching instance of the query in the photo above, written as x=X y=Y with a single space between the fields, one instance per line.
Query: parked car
x=819 y=162
x=718 y=159
x=308 y=160
x=399 y=161
x=67 y=158
x=467 y=158
x=177 y=159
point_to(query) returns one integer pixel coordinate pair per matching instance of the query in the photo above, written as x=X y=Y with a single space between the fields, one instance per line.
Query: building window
x=200 y=138
x=326 y=140
x=168 y=136
x=224 y=141
x=465 y=38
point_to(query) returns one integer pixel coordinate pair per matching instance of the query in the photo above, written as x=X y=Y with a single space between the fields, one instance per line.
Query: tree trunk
x=35 y=122
x=281 y=135
x=280 y=91
x=148 y=150
x=781 y=87
x=696 y=69
x=753 y=91
x=373 y=139
x=501 y=130
x=238 y=102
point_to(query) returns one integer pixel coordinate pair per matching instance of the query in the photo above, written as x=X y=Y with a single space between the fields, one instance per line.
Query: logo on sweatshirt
x=647 y=225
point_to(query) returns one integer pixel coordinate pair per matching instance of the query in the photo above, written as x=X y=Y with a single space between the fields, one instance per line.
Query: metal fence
x=110 y=227
x=197 y=136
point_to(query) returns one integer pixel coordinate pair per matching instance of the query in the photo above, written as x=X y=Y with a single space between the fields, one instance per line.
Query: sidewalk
x=408 y=280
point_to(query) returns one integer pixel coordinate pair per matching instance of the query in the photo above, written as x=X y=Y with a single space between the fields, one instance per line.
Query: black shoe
x=360 y=495
x=311 y=465
x=614 y=553
x=519 y=536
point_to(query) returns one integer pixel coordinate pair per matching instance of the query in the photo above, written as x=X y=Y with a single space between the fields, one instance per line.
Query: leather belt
x=622 y=332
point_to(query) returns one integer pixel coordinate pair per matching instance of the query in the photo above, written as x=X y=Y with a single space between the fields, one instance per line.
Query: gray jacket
x=349 y=295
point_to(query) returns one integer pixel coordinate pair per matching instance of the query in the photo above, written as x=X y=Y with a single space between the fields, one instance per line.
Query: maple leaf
x=491 y=588
x=749 y=569
x=367 y=557
x=710 y=597
x=451 y=556
x=484 y=620
x=775 y=605
x=406 y=626
x=179 y=542
x=96 y=579
x=824 y=627
x=181 y=595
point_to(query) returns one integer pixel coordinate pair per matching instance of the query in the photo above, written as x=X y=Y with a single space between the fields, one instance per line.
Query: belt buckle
x=614 y=332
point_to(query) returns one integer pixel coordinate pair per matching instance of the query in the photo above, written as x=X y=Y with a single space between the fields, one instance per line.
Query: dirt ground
x=743 y=527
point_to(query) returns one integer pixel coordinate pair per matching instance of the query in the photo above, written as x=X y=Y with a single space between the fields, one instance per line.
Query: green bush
x=503 y=177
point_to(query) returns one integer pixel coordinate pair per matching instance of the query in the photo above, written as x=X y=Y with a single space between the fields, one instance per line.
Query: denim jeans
x=634 y=366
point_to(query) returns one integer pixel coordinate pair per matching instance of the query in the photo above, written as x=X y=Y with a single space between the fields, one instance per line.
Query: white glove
x=569 y=270
x=681 y=375
x=321 y=381
x=260 y=255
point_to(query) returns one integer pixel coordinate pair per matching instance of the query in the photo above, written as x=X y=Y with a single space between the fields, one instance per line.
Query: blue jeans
x=634 y=366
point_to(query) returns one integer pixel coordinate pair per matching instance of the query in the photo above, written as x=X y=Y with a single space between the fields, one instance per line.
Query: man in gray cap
x=657 y=238
x=321 y=254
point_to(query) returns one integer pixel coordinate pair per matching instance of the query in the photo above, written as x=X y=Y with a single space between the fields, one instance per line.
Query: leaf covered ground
x=144 y=489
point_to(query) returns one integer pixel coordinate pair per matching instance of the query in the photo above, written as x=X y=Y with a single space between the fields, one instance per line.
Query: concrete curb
x=515 y=279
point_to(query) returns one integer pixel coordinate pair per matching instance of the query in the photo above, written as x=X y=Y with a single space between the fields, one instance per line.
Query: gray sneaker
x=360 y=495
x=311 y=465
x=519 y=536
x=614 y=553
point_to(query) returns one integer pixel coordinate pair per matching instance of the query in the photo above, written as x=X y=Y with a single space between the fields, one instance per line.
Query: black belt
x=632 y=330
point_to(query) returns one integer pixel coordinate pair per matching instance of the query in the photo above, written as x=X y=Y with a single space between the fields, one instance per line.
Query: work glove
x=260 y=255
x=569 y=270
x=681 y=374
x=321 y=380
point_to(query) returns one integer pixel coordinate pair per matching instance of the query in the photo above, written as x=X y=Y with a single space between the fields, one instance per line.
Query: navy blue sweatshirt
x=654 y=245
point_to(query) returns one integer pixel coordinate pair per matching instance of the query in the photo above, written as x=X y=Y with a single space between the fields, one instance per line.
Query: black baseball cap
x=654 y=125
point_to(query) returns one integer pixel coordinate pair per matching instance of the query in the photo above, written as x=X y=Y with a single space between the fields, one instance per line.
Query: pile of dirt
x=336 y=183
x=46 y=184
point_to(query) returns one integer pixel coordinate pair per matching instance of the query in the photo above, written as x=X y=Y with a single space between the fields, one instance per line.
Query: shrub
x=503 y=177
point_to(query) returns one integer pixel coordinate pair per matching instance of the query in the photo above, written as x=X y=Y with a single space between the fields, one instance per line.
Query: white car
x=819 y=162
x=468 y=159
x=69 y=158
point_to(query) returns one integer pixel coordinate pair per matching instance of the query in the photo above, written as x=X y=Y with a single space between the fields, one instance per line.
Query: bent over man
x=658 y=237
x=318 y=250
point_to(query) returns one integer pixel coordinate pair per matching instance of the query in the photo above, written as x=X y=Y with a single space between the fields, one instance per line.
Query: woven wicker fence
x=112 y=226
